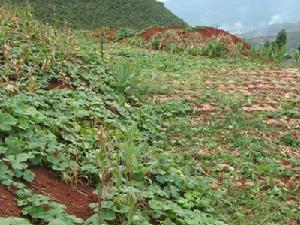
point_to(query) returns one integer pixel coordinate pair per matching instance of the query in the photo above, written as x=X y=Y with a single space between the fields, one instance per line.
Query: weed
x=296 y=58
x=126 y=78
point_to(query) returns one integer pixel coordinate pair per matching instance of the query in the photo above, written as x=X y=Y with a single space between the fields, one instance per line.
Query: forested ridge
x=89 y=14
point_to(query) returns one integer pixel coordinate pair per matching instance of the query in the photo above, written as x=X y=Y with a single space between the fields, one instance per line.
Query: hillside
x=140 y=137
x=91 y=14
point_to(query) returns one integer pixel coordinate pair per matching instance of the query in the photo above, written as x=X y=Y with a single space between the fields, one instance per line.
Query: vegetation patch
x=160 y=138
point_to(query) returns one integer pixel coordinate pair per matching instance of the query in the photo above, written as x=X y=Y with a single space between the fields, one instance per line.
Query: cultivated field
x=143 y=136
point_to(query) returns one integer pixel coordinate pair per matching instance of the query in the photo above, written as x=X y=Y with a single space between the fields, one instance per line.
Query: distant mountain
x=235 y=15
x=91 y=14
x=293 y=40
x=268 y=33
x=272 y=29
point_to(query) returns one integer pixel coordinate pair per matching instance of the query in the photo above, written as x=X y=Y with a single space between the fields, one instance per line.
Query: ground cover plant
x=140 y=136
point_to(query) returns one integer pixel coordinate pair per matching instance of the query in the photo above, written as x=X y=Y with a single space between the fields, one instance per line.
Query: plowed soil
x=8 y=203
x=76 y=200
x=266 y=87
x=60 y=85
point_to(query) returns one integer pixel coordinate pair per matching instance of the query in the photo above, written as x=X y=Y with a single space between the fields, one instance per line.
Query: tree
x=299 y=48
x=267 y=44
x=281 y=39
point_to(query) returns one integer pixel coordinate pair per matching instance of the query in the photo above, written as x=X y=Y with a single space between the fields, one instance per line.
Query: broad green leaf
x=6 y=121
x=14 y=221
x=6 y=174
x=15 y=145
x=18 y=162
x=3 y=150
x=57 y=222
x=95 y=220
x=108 y=215
x=28 y=176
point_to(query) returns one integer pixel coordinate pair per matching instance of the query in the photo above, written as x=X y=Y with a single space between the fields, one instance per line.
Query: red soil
x=207 y=33
x=211 y=32
x=110 y=34
x=60 y=85
x=76 y=200
x=8 y=203
x=148 y=34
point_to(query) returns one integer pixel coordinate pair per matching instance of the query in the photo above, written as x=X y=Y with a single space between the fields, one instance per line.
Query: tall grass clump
x=214 y=49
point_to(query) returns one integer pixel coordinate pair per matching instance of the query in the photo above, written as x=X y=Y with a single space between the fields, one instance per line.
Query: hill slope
x=90 y=14
x=163 y=138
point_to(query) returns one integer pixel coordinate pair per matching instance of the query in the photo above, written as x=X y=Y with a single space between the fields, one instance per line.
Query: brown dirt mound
x=205 y=34
x=211 y=32
x=8 y=203
x=149 y=33
x=60 y=85
x=76 y=200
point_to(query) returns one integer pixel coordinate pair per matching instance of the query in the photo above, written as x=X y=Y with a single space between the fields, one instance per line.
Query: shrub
x=214 y=49
x=136 y=40
x=155 y=44
x=175 y=48
x=296 y=58
x=124 y=33
x=194 y=51
x=275 y=50
x=269 y=53
x=279 y=54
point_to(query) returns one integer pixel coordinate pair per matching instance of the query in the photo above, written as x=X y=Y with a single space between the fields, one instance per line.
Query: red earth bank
x=76 y=200
x=8 y=203
x=207 y=33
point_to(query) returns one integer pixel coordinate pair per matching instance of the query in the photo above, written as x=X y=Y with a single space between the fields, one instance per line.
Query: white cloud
x=236 y=28
x=277 y=18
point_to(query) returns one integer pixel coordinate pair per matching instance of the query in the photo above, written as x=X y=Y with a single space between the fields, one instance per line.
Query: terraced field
x=243 y=127
x=142 y=137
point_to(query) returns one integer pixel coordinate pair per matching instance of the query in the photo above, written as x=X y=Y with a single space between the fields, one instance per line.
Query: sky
x=237 y=16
